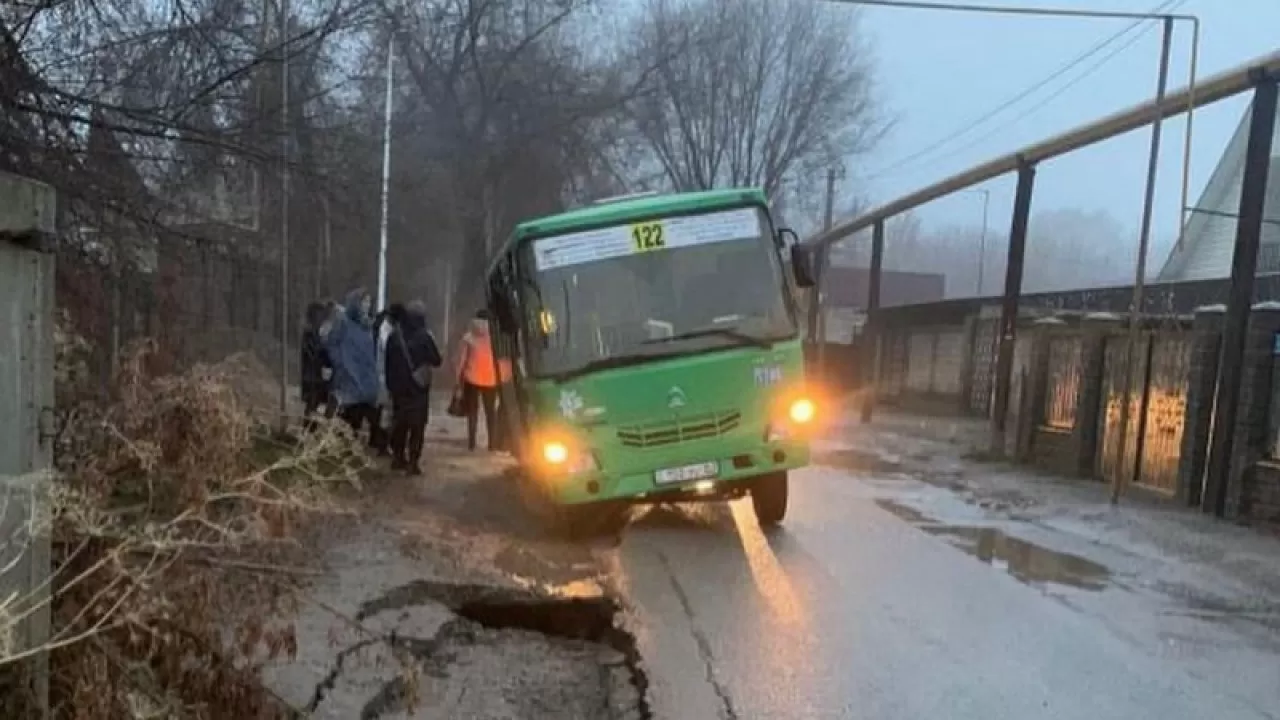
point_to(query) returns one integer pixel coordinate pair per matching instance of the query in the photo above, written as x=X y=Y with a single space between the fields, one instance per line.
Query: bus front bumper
x=717 y=473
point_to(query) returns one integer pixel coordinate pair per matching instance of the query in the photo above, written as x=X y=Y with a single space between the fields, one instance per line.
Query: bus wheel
x=769 y=498
x=593 y=520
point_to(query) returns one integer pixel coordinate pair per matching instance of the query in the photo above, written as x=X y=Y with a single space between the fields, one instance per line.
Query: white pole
x=386 y=180
x=284 y=213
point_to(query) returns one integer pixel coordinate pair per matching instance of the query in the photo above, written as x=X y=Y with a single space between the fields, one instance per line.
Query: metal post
x=870 y=332
x=386 y=179
x=1119 y=479
x=1244 y=264
x=824 y=257
x=1006 y=334
x=284 y=213
x=327 y=252
x=982 y=239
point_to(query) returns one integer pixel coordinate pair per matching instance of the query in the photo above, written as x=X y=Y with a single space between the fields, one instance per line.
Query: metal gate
x=1166 y=406
x=984 y=361
x=1156 y=410
x=1113 y=388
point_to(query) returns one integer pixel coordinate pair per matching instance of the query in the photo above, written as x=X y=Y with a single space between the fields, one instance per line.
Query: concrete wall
x=26 y=404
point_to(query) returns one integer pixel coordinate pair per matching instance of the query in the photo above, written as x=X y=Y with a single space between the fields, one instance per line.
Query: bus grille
x=694 y=427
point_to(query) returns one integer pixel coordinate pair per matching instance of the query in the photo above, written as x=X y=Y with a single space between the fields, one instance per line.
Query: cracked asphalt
x=907 y=582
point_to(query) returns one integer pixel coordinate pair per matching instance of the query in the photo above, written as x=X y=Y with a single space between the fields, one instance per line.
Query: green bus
x=650 y=351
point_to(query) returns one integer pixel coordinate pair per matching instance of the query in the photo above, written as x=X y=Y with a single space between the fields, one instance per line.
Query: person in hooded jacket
x=410 y=350
x=354 y=354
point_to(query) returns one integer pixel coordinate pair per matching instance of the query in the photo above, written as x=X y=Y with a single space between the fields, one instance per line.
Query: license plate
x=698 y=471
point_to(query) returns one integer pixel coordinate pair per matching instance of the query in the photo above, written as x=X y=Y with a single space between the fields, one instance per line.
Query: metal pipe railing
x=1206 y=92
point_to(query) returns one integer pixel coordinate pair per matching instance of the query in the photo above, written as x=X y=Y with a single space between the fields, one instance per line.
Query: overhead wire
x=1164 y=7
x=1045 y=101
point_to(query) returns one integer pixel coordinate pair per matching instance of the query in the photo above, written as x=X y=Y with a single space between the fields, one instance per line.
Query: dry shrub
x=171 y=519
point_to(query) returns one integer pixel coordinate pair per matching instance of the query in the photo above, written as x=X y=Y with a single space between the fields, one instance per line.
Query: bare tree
x=748 y=91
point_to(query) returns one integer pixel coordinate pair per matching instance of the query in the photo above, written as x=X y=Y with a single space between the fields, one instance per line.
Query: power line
x=1072 y=64
x=1055 y=95
x=1009 y=9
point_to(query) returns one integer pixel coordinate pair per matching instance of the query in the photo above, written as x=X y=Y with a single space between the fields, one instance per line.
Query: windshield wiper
x=728 y=332
x=604 y=363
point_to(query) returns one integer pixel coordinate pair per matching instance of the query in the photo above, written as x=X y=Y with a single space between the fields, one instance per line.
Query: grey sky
x=942 y=70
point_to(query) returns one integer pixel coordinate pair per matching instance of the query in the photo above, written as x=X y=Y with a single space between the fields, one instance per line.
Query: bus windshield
x=668 y=286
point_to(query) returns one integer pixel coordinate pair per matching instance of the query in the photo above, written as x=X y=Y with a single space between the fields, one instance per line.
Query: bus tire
x=769 y=498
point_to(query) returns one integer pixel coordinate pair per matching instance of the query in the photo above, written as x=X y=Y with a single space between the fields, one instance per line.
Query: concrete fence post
x=1202 y=380
x=27 y=230
x=967 y=364
x=1252 y=440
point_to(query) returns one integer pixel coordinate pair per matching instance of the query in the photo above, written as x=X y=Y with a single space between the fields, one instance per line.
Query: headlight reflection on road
x=771 y=579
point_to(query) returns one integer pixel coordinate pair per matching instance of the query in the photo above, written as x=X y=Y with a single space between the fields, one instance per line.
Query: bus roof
x=610 y=212
x=628 y=208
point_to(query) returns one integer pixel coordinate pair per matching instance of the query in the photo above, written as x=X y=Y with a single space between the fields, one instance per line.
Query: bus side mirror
x=786 y=239
x=802 y=266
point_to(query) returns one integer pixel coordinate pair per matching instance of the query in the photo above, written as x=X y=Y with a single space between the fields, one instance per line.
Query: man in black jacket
x=410 y=354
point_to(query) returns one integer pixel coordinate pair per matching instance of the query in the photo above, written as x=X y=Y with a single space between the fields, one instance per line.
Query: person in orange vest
x=478 y=375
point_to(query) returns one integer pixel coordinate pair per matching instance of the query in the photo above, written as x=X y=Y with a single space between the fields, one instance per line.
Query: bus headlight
x=561 y=456
x=802 y=411
x=555 y=453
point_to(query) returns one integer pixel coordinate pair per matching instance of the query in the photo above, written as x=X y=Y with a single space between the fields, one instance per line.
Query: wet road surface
x=863 y=607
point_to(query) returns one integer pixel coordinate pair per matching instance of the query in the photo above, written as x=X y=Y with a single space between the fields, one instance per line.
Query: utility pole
x=982 y=239
x=386 y=176
x=824 y=256
x=323 y=280
x=286 y=158
x=1139 y=278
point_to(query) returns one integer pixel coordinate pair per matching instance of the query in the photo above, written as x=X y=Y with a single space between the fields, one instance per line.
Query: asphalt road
x=854 y=611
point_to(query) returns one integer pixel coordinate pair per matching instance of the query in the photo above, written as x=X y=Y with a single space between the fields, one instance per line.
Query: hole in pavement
x=1026 y=561
x=587 y=615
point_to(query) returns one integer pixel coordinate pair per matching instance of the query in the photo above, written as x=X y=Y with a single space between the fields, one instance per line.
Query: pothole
x=581 y=614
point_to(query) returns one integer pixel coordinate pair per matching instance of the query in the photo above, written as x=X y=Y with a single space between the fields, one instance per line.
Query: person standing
x=353 y=352
x=477 y=374
x=314 y=363
x=411 y=353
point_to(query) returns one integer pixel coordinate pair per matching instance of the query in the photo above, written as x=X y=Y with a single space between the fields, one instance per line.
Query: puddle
x=860 y=461
x=910 y=514
x=1029 y=563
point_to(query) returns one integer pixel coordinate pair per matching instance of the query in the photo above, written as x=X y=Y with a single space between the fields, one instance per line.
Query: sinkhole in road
x=578 y=611
x=1026 y=561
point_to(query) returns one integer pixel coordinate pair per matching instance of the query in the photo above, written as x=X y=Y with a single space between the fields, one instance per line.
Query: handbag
x=457 y=408
x=422 y=374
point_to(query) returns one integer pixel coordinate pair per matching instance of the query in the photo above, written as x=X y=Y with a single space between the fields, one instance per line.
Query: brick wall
x=1264 y=494
x=1054 y=450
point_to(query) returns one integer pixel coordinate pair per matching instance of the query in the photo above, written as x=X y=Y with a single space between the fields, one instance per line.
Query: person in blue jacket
x=354 y=355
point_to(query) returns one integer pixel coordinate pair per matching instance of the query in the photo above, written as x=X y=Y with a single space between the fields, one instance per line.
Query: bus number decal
x=648 y=236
